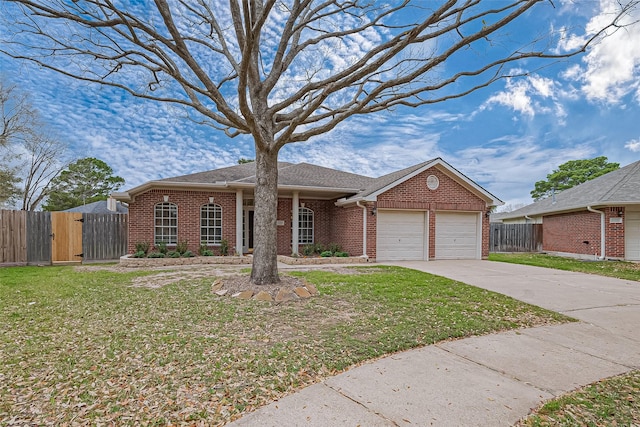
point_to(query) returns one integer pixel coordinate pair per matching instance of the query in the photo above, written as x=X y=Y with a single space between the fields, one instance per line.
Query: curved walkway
x=491 y=380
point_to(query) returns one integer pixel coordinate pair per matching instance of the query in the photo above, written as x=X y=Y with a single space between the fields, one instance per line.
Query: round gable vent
x=432 y=182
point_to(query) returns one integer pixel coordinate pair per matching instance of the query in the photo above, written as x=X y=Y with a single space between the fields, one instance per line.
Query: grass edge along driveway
x=611 y=401
x=87 y=347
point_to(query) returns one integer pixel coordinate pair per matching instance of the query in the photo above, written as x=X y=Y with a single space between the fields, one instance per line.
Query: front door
x=66 y=237
x=247 y=230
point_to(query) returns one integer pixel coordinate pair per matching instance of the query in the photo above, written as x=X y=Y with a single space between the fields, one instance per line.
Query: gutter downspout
x=364 y=228
x=602 y=231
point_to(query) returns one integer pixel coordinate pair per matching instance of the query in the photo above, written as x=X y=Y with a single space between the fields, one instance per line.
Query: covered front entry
x=458 y=235
x=632 y=236
x=402 y=235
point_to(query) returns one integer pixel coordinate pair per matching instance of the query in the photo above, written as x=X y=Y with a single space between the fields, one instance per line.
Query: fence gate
x=66 y=235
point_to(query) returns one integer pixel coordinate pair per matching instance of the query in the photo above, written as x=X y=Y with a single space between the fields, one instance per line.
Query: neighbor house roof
x=619 y=187
x=309 y=180
x=98 y=207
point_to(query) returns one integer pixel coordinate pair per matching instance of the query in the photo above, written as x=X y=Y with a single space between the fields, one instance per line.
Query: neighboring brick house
x=596 y=219
x=426 y=211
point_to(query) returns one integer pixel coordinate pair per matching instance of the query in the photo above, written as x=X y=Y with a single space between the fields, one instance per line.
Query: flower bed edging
x=128 y=261
x=322 y=260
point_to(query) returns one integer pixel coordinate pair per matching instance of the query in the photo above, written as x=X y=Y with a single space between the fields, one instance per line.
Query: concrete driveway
x=491 y=380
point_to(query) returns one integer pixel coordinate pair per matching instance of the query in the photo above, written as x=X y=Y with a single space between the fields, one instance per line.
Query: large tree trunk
x=265 y=235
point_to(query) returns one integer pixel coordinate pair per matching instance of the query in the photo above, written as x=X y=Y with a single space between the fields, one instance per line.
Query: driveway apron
x=492 y=380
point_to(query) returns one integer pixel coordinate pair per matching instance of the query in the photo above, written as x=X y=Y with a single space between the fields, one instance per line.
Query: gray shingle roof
x=98 y=207
x=300 y=174
x=238 y=173
x=621 y=186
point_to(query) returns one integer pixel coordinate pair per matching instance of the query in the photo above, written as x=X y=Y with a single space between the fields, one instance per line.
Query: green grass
x=611 y=402
x=618 y=269
x=86 y=347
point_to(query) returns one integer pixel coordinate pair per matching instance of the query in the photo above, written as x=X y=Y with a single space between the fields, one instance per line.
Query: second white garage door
x=401 y=235
x=632 y=236
x=457 y=235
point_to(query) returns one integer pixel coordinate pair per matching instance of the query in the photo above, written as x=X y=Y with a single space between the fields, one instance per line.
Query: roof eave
x=128 y=196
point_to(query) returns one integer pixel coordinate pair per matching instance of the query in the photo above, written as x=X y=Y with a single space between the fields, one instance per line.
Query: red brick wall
x=284 y=231
x=569 y=232
x=614 y=246
x=141 y=214
x=347 y=229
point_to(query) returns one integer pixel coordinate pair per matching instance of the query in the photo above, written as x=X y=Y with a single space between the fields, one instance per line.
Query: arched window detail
x=211 y=224
x=305 y=226
x=166 y=223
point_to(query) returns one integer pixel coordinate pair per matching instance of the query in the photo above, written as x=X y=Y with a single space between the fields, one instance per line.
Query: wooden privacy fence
x=515 y=237
x=50 y=237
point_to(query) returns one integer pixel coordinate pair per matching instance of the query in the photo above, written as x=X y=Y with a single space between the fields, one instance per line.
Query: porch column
x=239 y=242
x=294 y=223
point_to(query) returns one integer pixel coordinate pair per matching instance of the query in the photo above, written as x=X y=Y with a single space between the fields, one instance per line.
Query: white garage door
x=401 y=235
x=632 y=236
x=457 y=236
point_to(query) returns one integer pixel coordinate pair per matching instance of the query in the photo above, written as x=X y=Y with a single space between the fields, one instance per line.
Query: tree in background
x=29 y=159
x=570 y=174
x=242 y=161
x=9 y=188
x=284 y=71
x=84 y=181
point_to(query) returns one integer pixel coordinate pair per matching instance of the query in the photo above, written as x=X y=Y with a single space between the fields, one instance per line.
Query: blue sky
x=505 y=137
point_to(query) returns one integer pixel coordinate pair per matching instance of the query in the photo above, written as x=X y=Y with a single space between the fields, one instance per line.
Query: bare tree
x=281 y=71
x=28 y=155
x=16 y=115
x=41 y=164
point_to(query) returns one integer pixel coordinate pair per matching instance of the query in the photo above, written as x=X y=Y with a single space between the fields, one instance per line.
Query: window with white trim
x=211 y=224
x=166 y=223
x=305 y=226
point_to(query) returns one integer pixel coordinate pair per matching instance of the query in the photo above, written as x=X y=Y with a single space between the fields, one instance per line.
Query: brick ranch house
x=596 y=219
x=427 y=211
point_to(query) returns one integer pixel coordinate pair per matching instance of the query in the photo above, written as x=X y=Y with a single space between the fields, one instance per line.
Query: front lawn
x=86 y=347
x=618 y=269
x=610 y=402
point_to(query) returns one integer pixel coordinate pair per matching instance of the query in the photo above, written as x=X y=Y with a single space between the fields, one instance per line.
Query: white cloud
x=611 y=68
x=520 y=95
x=633 y=145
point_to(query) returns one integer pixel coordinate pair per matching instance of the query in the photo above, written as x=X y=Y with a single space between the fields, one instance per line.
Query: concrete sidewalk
x=492 y=380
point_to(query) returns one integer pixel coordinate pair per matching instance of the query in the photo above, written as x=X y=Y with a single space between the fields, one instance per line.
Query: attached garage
x=402 y=235
x=632 y=235
x=458 y=236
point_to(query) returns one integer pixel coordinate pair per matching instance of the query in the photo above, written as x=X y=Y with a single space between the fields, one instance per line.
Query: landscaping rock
x=302 y=292
x=216 y=286
x=245 y=294
x=285 y=295
x=263 y=296
x=311 y=288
